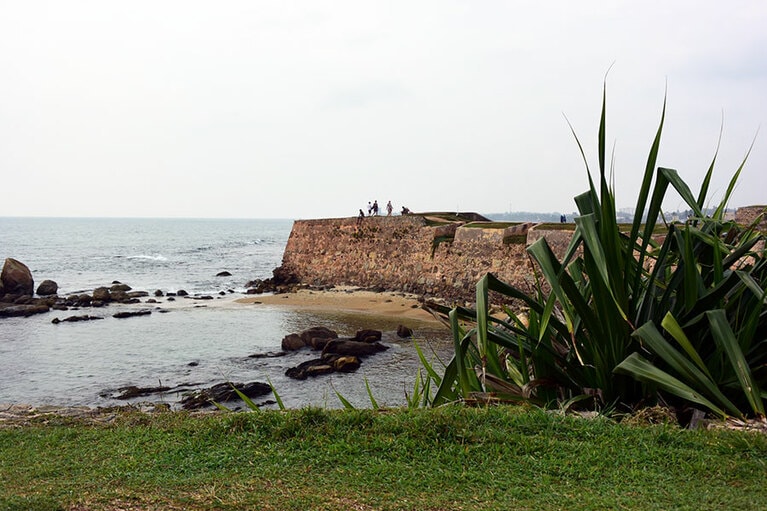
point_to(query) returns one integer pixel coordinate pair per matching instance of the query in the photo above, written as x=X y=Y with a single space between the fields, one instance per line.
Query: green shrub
x=630 y=313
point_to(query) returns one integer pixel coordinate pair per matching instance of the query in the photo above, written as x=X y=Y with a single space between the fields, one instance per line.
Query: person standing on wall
x=389 y=208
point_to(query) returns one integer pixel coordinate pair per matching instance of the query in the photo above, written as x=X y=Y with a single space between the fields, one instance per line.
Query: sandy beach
x=392 y=304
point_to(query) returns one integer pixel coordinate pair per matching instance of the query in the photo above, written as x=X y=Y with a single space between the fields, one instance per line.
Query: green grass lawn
x=448 y=458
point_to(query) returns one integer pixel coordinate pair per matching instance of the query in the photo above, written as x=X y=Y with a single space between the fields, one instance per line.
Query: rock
x=16 y=278
x=268 y=354
x=137 y=294
x=346 y=364
x=314 y=367
x=73 y=319
x=158 y=293
x=222 y=393
x=132 y=391
x=223 y=274
x=351 y=347
x=181 y=292
x=318 y=336
x=118 y=296
x=102 y=294
x=404 y=332
x=12 y=310
x=367 y=336
x=292 y=342
x=130 y=314
x=117 y=286
x=47 y=288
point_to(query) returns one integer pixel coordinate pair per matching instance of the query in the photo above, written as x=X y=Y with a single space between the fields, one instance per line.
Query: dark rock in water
x=344 y=364
x=221 y=293
x=268 y=354
x=324 y=365
x=13 y=310
x=47 y=288
x=292 y=342
x=193 y=364
x=118 y=295
x=151 y=300
x=132 y=391
x=351 y=347
x=117 y=286
x=222 y=393
x=367 y=336
x=171 y=299
x=223 y=274
x=74 y=319
x=181 y=292
x=101 y=294
x=317 y=337
x=16 y=278
x=404 y=332
x=130 y=314
x=314 y=367
x=137 y=294
x=158 y=293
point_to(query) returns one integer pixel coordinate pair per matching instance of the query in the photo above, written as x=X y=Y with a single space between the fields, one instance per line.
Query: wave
x=158 y=257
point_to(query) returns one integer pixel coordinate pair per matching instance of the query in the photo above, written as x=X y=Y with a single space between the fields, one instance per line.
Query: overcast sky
x=301 y=109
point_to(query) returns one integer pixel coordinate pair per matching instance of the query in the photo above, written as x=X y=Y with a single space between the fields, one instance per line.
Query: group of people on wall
x=373 y=210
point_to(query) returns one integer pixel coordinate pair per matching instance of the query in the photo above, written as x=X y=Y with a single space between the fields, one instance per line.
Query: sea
x=188 y=343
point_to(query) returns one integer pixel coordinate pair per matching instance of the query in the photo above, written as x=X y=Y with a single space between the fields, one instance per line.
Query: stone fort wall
x=412 y=254
x=423 y=255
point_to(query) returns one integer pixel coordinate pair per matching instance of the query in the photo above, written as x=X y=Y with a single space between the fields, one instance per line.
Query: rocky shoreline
x=19 y=299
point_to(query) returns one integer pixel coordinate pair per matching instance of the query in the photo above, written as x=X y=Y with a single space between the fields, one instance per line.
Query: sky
x=310 y=109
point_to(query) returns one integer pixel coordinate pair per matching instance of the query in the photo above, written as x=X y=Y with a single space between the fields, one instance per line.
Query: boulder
x=223 y=274
x=158 y=293
x=346 y=364
x=7 y=310
x=292 y=342
x=16 y=278
x=314 y=367
x=367 y=336
x=74 y=319
x=133 y=391
x=47 y=288
x=117 y=286
x=317 y=337
x=351 y=347
x=102 y=294
x=403 y=331
x=130 y=314
x=222 y=393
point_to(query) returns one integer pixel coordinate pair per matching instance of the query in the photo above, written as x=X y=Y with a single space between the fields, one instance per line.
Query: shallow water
x=83 y=363
x=76 y=363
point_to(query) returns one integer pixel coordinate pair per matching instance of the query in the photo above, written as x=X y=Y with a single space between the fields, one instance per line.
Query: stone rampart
x=440 y=257
x=406 y=253
x=748 y=215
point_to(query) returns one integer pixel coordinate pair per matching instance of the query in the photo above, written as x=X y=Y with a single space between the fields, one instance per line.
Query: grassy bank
x=448 y=458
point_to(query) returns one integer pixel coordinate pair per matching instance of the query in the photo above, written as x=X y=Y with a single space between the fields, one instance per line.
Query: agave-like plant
x=589 y=330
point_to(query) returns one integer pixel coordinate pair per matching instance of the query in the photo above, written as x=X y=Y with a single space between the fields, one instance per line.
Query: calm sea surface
x=195 y=343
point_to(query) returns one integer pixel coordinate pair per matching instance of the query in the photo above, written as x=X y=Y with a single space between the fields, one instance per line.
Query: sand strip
x=347 y=299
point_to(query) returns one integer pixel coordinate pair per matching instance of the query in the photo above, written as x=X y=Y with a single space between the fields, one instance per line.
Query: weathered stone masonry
x=421 y=254
x=408 y=253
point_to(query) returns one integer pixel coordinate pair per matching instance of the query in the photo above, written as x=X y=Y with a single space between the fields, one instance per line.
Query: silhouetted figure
x=405 y=211
x=360 y=217
x=389 y=208
x=375 y=208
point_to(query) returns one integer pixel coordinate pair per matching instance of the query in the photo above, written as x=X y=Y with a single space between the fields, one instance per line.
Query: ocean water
x=185 y=344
